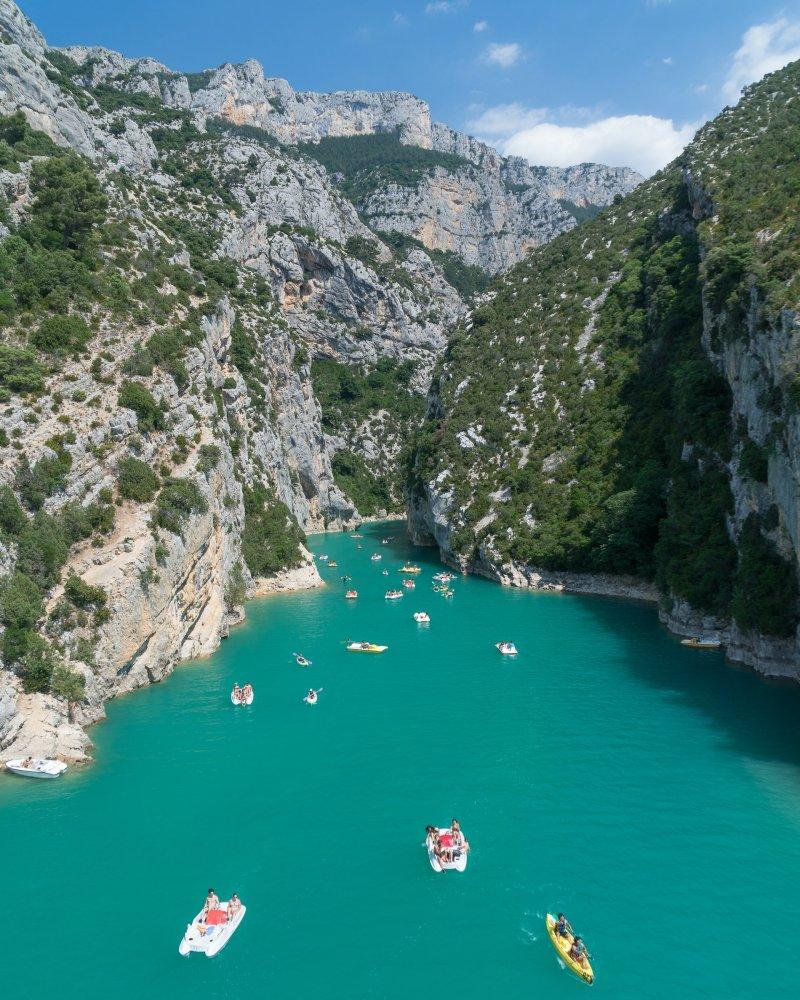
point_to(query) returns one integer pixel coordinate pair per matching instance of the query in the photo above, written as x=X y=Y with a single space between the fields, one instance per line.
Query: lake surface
x=649 y=791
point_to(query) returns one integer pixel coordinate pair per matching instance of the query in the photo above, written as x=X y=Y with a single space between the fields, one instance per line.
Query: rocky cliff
x=640 y=434
x=486 y=208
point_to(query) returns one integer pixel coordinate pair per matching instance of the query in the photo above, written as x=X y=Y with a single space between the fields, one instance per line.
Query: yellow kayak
x=562 y=946
x=410 y=569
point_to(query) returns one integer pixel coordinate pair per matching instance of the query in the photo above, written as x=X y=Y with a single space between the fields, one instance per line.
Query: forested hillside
x=642 y=414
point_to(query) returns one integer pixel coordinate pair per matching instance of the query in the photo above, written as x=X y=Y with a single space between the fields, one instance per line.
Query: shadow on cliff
x=755 y=716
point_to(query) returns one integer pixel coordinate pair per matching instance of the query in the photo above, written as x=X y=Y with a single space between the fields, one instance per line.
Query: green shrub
x=208 y=458
x=177 y=501
x=37 y=664
x=81 y=594
x=19 y=370
x=754 y=461
x=765 y=596
x=134 y=396
x=136 y=480
x=42 y=550
x=21 y=606
x=38 y=482
x=66 y=683
x=61 y=335
x=12 y=518
x=68 y=203
x=236 y=590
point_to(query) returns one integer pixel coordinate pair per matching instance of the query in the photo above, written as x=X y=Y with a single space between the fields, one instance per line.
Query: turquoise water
x=651 y=792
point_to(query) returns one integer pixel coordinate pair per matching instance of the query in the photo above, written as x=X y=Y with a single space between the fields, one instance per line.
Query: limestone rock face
x=490 y=212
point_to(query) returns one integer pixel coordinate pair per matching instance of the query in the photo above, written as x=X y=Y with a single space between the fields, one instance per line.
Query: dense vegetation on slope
x=364 y=163
x=352 y=400
x=606 y=438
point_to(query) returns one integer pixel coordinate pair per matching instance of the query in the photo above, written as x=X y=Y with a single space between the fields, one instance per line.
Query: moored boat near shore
x=36 y=767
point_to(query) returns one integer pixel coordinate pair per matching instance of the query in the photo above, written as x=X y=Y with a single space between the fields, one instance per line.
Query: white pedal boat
x=422 y=617
x=375 y=557
x=459 y=862
x=36 y=767
x=243 y=701
x=506 y=648
x=365 y=647
x=210 y=938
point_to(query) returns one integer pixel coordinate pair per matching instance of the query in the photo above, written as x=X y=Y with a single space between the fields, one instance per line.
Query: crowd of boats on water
x=447 y=847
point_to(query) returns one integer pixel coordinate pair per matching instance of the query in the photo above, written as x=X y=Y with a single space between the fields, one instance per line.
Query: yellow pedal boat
x=410 y=569
x=562 y=946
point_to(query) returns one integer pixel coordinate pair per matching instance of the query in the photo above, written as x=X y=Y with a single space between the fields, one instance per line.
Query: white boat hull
x=40 y=768
x=209 y=940
x=248 y=700
x=458 y=864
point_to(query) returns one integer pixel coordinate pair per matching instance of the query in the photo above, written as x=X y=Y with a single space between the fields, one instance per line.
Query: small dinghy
x=351 y=595
x=447 y=851
x=242 y=695
x=301 y=660
x=365 y=647
x=422 y=617
x=210 y=931
x=376 y=557
x=393 y=595
x=36 y=767
x=324 y=558
x=506 y=648
x=702 y=642
x=332 y=564
x=409 y=584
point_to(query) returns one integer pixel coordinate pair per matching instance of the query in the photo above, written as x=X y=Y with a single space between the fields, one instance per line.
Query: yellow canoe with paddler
x=562 y=945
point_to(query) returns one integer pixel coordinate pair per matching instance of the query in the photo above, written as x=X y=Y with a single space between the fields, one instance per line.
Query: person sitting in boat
x=28 y=762
x=234 y=905
x=237 y=692
x=212 y=902
x=460 y=843
x=246 y=692
x=312 y=695
x=577 y=950
x=563 y=928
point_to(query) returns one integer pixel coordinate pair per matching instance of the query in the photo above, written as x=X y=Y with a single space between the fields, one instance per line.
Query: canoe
x=562 y=946
x=365 y=647
x=39 y=767
x=459 y=862
x=699 y=643
x=208 y=936
x=248 y=700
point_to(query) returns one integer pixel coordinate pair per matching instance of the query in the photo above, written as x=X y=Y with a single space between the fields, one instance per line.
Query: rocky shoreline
x=45 y=726
x=768 y=656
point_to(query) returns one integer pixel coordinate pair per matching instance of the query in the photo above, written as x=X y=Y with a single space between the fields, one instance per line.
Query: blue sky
x=623 y=81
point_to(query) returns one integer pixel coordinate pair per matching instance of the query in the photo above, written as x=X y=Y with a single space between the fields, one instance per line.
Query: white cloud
x=445 y=6
x=398 y=18
x=657 y=3
x=480 y=26
x=643 y=142
x=765 y=48
x=667 y=60
x=504 y=55
x=701 y=88
x=504 y=119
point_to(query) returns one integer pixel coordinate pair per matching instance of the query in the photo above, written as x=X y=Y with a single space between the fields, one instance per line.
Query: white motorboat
x=36 y=767
x=422 y=617
x=238 y=697
x=506 y=648
x=365 y=647
x=452 y=854
x=210 y=932
x=393 y=595
x=702 y=642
